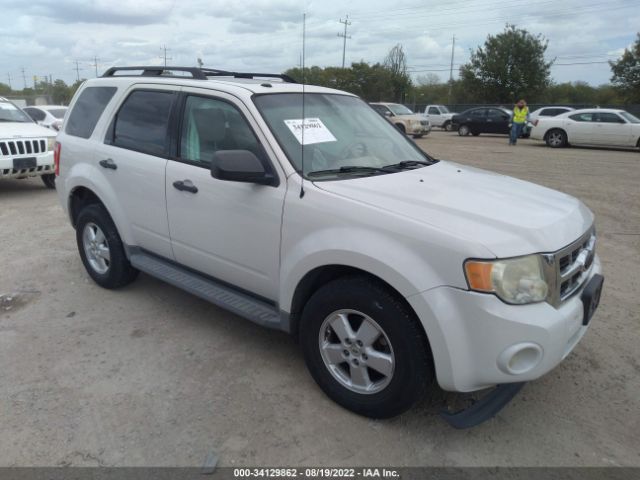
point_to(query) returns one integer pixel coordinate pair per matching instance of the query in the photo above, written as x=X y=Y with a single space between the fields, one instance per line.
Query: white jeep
x=302 y=209
x=26 y=149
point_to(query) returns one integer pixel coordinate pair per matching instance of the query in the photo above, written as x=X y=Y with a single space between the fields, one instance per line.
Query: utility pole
x=165 y=50
x=9 y=77
x=24 y=78
x=344 y=37
x=77 y=69
x=95 y=64
x=453 y=46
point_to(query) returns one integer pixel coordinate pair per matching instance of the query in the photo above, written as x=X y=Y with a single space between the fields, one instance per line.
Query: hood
x=510 y=217
x=17 y=130
x=415 y=116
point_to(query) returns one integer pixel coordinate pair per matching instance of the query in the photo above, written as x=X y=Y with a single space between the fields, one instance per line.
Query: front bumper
x=474 y=336
x=44 y=165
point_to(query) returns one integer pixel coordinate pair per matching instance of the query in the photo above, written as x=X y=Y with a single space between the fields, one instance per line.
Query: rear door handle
x=185 y=186
x=108 y=163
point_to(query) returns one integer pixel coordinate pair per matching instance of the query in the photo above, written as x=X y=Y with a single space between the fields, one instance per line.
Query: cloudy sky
x=47 y=37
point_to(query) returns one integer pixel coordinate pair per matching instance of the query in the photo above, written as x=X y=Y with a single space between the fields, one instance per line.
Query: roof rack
x=196 y=73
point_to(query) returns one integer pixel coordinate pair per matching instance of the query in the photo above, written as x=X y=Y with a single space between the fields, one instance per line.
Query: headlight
x=516 y=280
x=51 y=142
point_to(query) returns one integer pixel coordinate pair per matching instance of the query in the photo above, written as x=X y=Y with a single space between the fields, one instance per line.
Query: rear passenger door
x=497 y=121
x=224 y=229
x=580 y=127
x=133 y=158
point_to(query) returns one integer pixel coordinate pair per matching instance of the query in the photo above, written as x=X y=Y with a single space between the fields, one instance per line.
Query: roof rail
x=196 y=73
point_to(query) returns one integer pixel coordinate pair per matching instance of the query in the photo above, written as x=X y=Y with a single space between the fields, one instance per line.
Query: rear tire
x=447 y=126
x=365 y=348
x=101 y=248
x=49 y=180
x=464 y=130
x=556 y=138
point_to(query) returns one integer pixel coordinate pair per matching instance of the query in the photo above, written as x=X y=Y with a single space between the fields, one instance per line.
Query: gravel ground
x=152 y=376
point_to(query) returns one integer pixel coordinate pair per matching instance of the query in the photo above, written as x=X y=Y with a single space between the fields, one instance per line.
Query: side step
x=221 y=295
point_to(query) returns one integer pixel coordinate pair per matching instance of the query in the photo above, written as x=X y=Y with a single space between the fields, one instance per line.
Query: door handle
x=108 y=163
x=185 y=186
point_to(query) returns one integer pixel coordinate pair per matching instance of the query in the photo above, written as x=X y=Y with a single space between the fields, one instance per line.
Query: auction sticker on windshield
x=314 y=131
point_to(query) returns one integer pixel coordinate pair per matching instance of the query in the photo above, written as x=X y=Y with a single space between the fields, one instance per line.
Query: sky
x=44 y=37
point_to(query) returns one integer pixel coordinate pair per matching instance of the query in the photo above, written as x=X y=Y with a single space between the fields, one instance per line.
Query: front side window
x=141 y=124
x=210 y=125
x=35 y=113
x=339 y=131
x=605 y=117
x=87 y=110
x=10 y=113
x=434 y=111
x=381 y=109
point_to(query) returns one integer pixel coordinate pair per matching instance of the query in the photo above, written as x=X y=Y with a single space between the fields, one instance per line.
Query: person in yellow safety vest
x=519 y=118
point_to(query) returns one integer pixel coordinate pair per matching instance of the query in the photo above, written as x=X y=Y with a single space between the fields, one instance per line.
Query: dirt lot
x=150 y=375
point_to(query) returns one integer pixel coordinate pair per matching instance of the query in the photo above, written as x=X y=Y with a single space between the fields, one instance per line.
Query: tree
x=396 y=63
x=511 y=65
x=626 y=73
x=5 y=89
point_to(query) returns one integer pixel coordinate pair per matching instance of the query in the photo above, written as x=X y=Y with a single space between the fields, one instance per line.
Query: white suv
x=26 y=149
x=319 y=218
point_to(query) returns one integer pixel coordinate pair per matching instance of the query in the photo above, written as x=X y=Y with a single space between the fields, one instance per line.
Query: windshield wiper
x=349 y=169
x=407 y=164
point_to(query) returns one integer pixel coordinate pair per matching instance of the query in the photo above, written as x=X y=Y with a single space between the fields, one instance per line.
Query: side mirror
x=241 y=166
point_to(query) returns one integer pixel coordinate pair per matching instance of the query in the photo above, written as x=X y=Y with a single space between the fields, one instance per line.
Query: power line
x=344 y=37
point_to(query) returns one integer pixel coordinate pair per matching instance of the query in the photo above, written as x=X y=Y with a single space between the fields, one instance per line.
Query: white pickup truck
x=439 y=116
x=26 y=149
x=390 y=267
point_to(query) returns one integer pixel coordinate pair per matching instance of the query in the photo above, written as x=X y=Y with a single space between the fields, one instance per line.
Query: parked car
x=486 y=120
x=439 y=116
x=549 y=111
x=390 y=267
x=50 y=116
x=590 y=126
x=26 y=149
x=403 y=118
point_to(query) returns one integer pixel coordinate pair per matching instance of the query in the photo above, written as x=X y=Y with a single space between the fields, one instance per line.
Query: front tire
x=101 y=248
x=365 y=348
x=556 y=139
x=464 y=130
x=418 y=136
x=49 y=180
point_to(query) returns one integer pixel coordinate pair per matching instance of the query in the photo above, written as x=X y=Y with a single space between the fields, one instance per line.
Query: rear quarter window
x=87 y=110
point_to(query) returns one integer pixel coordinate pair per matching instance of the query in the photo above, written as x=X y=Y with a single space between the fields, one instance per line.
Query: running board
x=226 y=297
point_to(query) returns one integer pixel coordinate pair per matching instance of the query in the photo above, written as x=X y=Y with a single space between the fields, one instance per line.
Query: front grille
x=22 y=147
x=568 y=269
x=424 y=123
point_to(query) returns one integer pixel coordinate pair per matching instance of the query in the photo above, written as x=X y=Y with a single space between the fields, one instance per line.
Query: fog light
x=520 y=358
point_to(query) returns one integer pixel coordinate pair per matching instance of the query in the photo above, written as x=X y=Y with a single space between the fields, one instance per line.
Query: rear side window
x=582 y=117
x=87 y=110
x=141 y=124
x=34 y=113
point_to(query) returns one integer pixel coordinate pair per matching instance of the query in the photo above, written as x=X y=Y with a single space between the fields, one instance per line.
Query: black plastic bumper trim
x=485 y=408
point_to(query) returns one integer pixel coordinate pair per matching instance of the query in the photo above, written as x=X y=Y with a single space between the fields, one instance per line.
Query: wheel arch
x=553 y=129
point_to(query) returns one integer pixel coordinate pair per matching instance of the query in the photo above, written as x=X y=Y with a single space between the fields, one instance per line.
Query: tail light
x=56 y=157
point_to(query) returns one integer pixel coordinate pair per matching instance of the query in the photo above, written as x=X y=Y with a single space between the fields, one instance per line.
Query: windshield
x=630 y=118
x=10 y=113
x=443 y=109
x=398 y=109
x=340 y=131
x=57 y=112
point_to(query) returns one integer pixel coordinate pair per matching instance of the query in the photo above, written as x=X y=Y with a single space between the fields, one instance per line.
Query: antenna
x=304 y=32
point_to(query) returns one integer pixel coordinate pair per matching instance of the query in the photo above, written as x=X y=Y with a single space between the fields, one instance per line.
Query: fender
x=83 y=174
